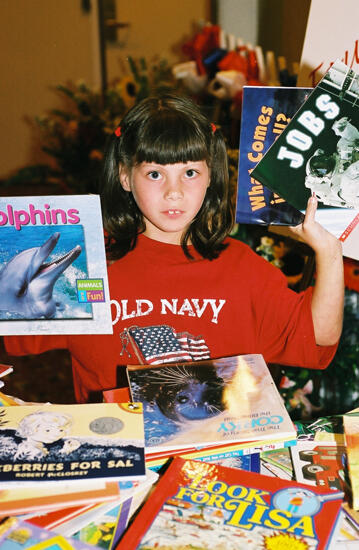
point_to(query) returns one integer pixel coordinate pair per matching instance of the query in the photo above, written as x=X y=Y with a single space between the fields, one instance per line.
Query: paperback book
x=278 y=461
x=215 y=453
x=325 y=429
x=105 y=524
x=200 y=505
x=53 y=273
x=24 y=500
x=17 y=534
x=320 y=465
x=57 y=443
x=266 y=111
x=212 y=402
x=318 y=152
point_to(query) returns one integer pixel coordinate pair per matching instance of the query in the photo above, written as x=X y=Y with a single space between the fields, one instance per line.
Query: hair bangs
x=171 y=139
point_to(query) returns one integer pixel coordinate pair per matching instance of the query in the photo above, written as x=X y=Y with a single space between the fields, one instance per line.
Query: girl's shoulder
x=238 y=248
x=239 y=254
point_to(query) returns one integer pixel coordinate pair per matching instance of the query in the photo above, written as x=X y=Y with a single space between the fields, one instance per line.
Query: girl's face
x=47 y=433
x=168 y=195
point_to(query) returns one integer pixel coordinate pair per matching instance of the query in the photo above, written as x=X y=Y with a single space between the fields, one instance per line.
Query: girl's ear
x=124 y=179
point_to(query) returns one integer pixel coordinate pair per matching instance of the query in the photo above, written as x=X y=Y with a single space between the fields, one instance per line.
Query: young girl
x=180 y=288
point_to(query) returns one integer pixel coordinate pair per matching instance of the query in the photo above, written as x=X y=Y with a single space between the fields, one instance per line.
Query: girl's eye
x=191 y=173
x=154 y=175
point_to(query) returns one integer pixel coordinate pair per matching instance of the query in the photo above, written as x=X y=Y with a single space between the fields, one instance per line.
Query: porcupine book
x=53 y=273
x=225 y=401
x=200 y=505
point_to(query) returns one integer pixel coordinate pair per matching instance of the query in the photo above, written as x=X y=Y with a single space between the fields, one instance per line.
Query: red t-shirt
x=238 y=303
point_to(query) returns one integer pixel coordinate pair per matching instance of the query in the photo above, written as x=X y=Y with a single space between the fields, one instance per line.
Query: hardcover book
x=266 y=111
x=52 y=443
x=212 y=402
x=351 y=430
x=318 y=152
x=200 y=505
x=53 y=273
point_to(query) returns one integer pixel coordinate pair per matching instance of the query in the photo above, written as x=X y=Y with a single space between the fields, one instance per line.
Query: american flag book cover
x=209 y=402
x=158 y=344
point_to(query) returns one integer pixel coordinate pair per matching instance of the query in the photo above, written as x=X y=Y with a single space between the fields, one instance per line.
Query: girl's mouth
x=173 y=212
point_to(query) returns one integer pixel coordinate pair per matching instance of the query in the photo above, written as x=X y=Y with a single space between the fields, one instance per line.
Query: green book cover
x=318 y=151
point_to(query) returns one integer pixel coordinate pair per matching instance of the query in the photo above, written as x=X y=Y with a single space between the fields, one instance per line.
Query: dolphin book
x=53 y=273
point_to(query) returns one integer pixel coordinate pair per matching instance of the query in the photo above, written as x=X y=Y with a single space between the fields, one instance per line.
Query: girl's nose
x=173 y=190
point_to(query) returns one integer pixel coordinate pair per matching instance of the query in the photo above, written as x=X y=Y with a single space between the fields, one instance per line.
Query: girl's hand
x=328 y=293
x=314 y=234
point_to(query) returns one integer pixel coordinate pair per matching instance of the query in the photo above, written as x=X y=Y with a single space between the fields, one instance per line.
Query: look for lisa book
x=53 y=443
x=200 y=505
x=53 y=274
x=318 y=152
x=210 y=402
x=266 y=111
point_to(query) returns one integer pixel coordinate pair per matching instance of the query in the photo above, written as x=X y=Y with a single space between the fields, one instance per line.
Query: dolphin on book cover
x=53 y=274
x=318 y=152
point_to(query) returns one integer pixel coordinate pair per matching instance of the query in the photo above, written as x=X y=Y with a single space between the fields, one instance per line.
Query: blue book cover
x=195 y=404
x=266 y=111
x=53 y=272
x=55 y=443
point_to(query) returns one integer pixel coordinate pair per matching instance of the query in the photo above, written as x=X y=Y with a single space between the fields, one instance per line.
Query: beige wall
x=48 y=42
x=42 y=43
x=157 y=29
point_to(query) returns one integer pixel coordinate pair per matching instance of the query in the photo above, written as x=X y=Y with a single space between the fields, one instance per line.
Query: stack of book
x=211 y=409
x=69 y=468
x=235 y=470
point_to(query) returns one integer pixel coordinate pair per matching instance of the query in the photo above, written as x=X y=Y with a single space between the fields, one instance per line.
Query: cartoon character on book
x=41 y=428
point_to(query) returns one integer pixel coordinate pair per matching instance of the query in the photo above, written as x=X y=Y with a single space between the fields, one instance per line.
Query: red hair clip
x=118 y=131
x=214 y=127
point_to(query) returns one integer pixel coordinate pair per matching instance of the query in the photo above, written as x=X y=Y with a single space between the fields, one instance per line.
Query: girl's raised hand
x=328 y=293
x=314 y=234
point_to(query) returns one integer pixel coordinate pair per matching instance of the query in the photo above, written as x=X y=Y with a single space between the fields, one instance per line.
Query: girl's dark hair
x=167 y=129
